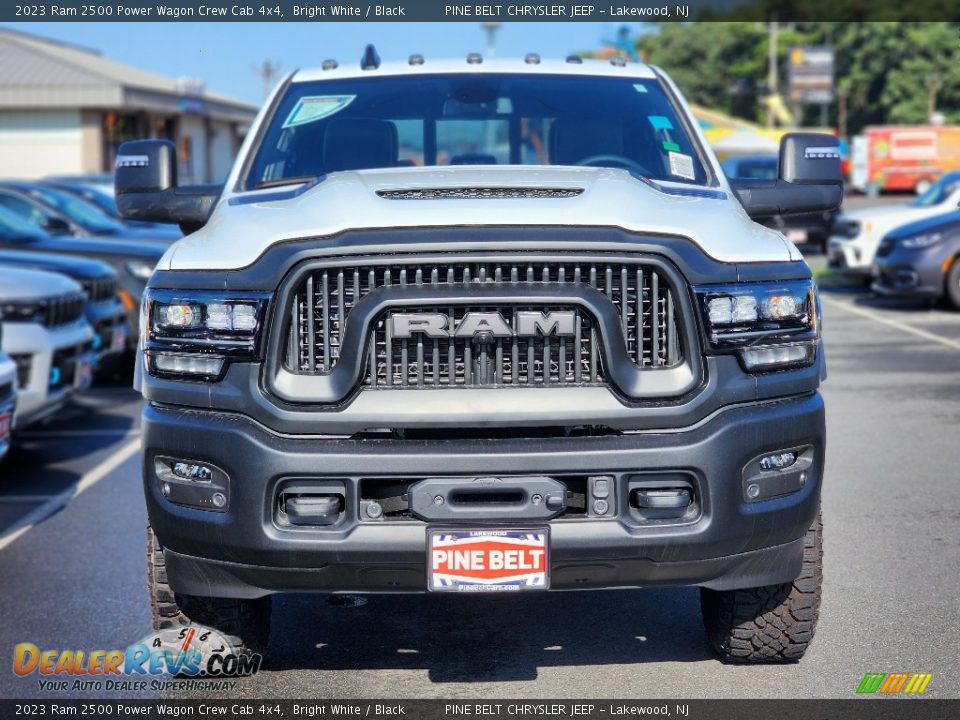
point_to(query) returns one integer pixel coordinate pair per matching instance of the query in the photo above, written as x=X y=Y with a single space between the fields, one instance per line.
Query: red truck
x=910 y=157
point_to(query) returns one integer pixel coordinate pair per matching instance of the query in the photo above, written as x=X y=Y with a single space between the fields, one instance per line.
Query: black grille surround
x=621 y=333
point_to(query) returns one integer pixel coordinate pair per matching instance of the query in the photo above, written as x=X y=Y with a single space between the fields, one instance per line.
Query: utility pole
x=934 y=82
x=773 y=73
x=490 y=28
x=268 y=72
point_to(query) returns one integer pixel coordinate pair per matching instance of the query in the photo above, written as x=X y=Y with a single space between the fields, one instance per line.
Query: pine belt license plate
x=488 y=559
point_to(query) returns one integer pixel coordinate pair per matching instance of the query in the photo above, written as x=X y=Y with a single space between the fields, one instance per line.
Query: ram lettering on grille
x=475 y=345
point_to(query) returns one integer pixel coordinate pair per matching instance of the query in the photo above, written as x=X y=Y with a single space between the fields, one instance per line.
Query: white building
x=65 y=109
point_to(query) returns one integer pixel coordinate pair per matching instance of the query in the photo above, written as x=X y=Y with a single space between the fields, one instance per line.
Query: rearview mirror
x=809 y=179
x=146 y=187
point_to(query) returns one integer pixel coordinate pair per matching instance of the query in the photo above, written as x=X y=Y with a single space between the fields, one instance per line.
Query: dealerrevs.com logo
x=191 y=654
x=901 y=683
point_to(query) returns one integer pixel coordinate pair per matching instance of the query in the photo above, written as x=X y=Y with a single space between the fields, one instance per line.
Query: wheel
x=771 y=624
x=245 y=623
x=953 y=284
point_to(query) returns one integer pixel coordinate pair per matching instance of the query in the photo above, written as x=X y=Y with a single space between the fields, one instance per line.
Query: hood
x=244 y=225
x=20 y=284
x=946 y=222
x=108 y=250
x=881 y=212
x=70 y=265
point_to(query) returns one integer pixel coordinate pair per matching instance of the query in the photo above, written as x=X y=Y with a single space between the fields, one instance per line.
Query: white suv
x=46 y=335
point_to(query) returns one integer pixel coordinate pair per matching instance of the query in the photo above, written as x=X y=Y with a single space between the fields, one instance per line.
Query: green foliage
x=888 y=71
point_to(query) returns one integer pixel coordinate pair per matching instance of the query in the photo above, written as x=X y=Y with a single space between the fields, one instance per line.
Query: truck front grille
x=639 y=290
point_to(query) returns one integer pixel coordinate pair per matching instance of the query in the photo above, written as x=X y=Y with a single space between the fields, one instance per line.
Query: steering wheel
x=619 y=161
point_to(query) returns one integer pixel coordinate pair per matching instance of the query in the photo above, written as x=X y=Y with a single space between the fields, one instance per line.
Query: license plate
x=797 y=236
x=6 y=421
x=488 y=560
x=84 y=374
x=119 y=341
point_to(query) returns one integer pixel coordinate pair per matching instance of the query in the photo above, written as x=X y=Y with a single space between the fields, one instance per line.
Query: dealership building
x=66 y=109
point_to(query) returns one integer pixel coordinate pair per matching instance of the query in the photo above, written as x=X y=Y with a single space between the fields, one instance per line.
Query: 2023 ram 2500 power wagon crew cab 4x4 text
x=483 y=326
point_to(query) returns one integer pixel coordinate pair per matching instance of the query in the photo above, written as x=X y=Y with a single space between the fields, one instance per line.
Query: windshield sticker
x=681 y=165
x=316 y=107
x=671 y=146
x=659 y=122
x=640 y=88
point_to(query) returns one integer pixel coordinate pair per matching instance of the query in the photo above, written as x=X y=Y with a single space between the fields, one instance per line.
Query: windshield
x=79 y=211
x=938 y=192
x=14 y=226
x=442 y=120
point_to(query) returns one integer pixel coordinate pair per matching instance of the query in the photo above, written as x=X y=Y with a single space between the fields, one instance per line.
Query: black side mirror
x=809 y=179
x=146 y=187
x=55 y=226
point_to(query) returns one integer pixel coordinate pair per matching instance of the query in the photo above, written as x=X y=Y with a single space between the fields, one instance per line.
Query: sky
x=224 y=55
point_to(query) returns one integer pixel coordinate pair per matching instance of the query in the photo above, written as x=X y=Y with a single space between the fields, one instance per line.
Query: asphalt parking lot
x=72 y=559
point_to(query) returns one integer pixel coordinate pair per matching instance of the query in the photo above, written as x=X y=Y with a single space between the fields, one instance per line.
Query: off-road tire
x=770 y=624
x=953 y=284
x=245 y=623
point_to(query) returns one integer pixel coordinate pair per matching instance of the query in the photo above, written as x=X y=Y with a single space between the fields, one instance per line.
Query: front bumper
x=243 y=552
x=910 y=273
x=845 y=254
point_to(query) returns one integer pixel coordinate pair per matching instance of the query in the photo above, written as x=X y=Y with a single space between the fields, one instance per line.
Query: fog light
x=192 y=472
x=219 y=500
x=176 y=364
x=777 y=357
x=778 y=461
x=753 y=491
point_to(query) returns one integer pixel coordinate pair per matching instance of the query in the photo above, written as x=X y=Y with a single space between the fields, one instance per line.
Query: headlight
x=848 y=228
x=141 y=270
x=196 y=334
x=771 y=326
x=916 y=242
x=29 y=312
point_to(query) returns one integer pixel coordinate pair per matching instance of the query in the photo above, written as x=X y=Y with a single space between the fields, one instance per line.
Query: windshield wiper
x=286 y=181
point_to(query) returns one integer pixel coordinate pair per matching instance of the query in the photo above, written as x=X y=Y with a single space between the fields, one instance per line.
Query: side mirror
x=55 y=226
x=146 y=187
x=809 y=179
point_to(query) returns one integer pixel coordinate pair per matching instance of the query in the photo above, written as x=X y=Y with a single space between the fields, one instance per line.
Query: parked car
x=47 y=336
x=60 y=213
x=921 y=259
x=8 y=397
x=804 y=229
x=384 y=367
x=133 y=260
x=101 y=181
x=857 y=234
x=103 y=308
x=105 y=202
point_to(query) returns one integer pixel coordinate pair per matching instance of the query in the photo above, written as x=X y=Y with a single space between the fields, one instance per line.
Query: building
x=65 y=109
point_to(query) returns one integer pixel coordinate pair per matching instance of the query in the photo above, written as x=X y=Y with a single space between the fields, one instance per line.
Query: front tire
x=245 y=623
x=953 y=284
x=771 y=624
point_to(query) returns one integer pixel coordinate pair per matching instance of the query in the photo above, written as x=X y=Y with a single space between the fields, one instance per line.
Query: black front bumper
x=910 y=273
x=242 y=552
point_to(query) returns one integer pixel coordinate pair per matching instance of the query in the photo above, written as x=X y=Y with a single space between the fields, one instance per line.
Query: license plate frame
x=83 y=373
x=509 y=573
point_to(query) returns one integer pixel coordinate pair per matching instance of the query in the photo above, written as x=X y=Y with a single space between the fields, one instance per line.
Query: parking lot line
x=57 y=501
x=878 y=317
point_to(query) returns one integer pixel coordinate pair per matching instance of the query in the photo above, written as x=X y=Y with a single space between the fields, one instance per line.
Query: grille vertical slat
x=643 y=298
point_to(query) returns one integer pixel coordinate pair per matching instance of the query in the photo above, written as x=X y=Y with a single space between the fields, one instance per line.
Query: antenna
x=370 y=59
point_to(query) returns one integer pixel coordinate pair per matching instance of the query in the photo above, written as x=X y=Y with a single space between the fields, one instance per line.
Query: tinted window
x=440 y=120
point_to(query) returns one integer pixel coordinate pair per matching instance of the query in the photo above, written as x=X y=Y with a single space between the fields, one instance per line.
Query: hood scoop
x=479 y=193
